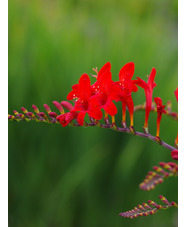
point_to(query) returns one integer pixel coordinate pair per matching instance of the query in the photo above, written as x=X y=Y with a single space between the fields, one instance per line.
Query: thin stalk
x=140 y=134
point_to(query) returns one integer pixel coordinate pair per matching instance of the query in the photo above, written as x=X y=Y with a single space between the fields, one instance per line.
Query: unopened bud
x=67 y=105
x=53 y=114
x=24 y=110
x=30 y=114
x=164 y=200
x=47 y=108
x=36 y=110
x=58 y=106
x=43 y=115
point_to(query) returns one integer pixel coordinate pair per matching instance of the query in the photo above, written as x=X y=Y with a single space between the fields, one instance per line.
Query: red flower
x=160 y=111
x=66 y=118
x=174 y=154
x=84 y=103
x=148 y=88
x=107 y=90
x=127 y=86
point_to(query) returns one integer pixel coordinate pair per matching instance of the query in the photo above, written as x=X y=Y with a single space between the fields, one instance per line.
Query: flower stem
x=140 y=134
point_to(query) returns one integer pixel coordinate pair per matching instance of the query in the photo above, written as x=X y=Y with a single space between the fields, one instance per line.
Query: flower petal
x=95 y=88
x=71 y=95
x=70 y=116
x=94 y=108
x=105 y=82
x=79 y=106
x=105 y=68
x=134 y=87
x=95 y=113
x=74 y=93
x=110 y=108
x=127 y=69
x=141 y=83
x=115 y=91
x=130 y=104
x=81 y=117
x=84 y=87
x=152 y=77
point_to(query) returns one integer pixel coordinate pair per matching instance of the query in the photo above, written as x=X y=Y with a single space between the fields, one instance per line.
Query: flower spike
x=148 y=209
x=85 y=103
x=164 y=170
x=127 y=86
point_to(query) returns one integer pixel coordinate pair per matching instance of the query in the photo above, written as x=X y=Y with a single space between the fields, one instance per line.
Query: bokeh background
x=79 y=177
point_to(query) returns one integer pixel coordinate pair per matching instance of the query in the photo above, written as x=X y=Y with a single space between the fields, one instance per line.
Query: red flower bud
x=58 y=106
x=160 y=111
x=174 y=154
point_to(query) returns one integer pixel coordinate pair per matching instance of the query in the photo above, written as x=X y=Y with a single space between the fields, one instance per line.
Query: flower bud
x=58 y=106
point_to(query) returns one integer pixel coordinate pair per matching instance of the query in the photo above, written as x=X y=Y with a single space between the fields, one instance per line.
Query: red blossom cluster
x=92 y=98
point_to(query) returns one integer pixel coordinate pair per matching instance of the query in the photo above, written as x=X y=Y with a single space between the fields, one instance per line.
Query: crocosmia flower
x=105 y=95
x=84 y=103
x=106 y=90
x=66 y=118
x=127 y=86
x=148 y=88
x=160 y=111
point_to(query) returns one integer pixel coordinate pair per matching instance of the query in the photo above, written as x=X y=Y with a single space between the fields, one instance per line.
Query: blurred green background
x=77 y=177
